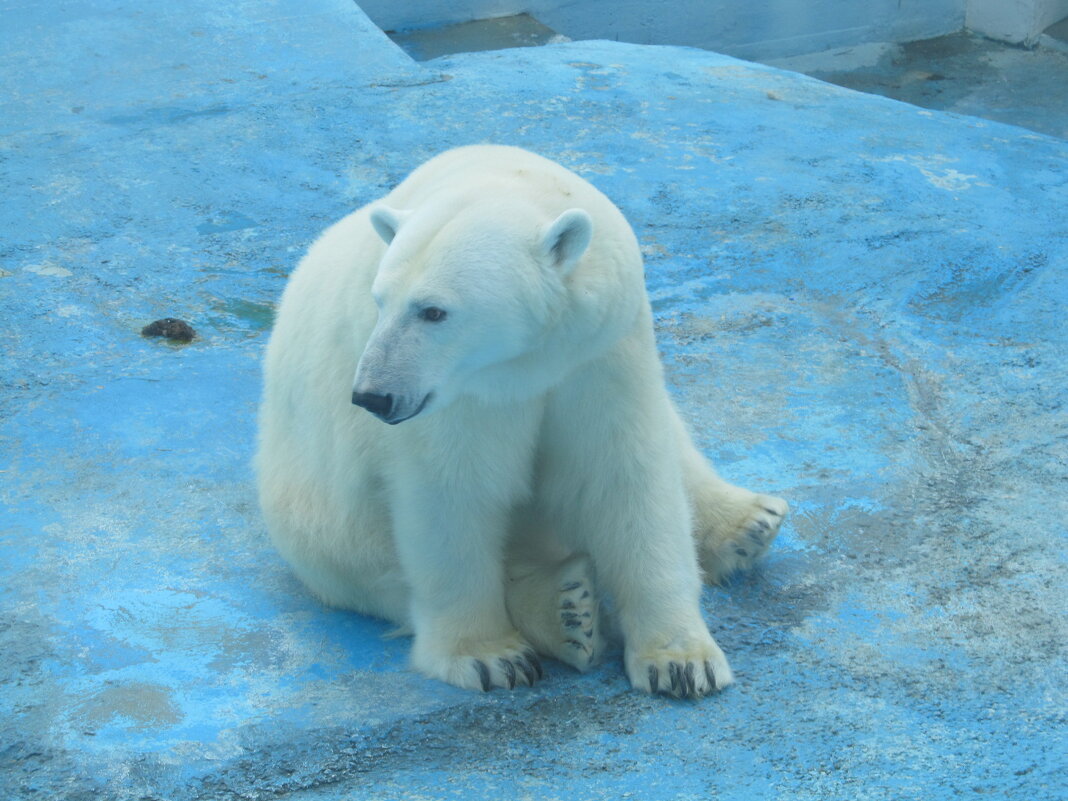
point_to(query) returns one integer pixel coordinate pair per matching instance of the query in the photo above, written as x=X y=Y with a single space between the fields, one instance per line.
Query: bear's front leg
x=612 y=480
x=648 y=563
x=450 y=541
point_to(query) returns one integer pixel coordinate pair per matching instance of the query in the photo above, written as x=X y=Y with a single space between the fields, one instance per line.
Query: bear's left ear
x=387 y=220
x=566 y=238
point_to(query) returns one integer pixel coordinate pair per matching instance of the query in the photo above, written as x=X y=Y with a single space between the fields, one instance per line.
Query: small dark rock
x=171 y=328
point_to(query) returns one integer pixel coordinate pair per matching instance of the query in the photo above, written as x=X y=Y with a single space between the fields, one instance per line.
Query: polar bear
x=465 y=430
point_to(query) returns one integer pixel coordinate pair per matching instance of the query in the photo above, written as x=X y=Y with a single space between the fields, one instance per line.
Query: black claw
x=764 y=525
x=572 y=624
x=676 y=676
x=756 y=537
x=654 y=679
x=571 y=585
x=585 y=594
x=528 y=671
x=509 y=672
x=576 y=644
x=691 y=683
x=483 y=674
x=567 y=605
x=535 y=663
x=710 y=674
x=588 y=633
x=771 y=512
x=741 y=552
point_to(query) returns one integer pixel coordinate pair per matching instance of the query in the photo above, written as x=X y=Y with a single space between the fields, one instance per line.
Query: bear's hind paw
x=748 y=542
x=579 y=639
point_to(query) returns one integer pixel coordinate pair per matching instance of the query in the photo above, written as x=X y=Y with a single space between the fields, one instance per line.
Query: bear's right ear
x=387 y=220
x=566 y=238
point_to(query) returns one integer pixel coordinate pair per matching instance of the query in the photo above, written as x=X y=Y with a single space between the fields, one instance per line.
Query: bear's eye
x=432 y=314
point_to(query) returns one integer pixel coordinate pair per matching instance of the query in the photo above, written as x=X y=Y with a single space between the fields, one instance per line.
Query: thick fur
x=534 y=457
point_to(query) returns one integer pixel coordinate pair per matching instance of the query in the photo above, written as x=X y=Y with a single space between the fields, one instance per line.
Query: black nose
x=378 y=405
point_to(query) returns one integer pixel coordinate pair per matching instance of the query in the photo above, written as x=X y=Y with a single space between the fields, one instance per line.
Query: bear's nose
x=378 y=405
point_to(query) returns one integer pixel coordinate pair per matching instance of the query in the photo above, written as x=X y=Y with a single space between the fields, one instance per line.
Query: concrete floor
x=860 y=307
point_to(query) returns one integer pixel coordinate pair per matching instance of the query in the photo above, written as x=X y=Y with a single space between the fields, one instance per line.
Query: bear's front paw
x=482 y=666
x=684 y=668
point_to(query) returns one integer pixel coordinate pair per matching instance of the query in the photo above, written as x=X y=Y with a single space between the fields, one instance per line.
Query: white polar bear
x=516 y=439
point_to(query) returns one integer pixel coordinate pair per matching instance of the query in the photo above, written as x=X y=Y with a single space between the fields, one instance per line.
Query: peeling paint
x=50 y=270
x=934 y=169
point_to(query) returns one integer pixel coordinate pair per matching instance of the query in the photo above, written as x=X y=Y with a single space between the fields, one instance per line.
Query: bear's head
x=460 y=292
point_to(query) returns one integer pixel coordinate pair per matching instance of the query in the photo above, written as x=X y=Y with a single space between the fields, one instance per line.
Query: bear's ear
x=566 y=239
x=387 y=220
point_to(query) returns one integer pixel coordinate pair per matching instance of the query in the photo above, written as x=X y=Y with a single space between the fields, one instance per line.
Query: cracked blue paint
x=859 y=305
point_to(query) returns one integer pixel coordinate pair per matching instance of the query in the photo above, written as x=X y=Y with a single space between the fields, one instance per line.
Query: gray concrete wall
x=1020 y=21
x=747 y=30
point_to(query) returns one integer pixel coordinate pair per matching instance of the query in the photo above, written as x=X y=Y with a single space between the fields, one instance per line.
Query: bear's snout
x=380 y=406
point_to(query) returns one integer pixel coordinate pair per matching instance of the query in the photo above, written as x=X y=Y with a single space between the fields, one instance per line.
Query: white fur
x=539 y=451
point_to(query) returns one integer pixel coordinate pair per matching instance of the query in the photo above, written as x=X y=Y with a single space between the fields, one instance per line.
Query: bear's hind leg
x=372 y=587
x=732 y=526
x=554 y=604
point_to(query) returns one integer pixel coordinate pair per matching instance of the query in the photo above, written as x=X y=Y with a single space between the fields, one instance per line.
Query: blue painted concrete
x=860 y=306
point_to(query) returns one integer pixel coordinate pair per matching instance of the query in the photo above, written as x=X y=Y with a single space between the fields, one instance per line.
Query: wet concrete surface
x=962 y=73
x=860 y=307
x=498 y=33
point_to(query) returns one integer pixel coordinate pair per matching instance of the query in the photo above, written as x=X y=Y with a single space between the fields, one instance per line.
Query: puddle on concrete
x=226 y=221
x=962 y=72
x=133 y=705
x=246 y=315
x=519 y=30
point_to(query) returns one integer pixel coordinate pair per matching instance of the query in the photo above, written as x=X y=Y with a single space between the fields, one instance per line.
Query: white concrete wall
x=753 y=29
x=1018 y=21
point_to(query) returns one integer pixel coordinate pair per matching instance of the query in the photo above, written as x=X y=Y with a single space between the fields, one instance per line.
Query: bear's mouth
x=388 y=408
x=393 y=420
